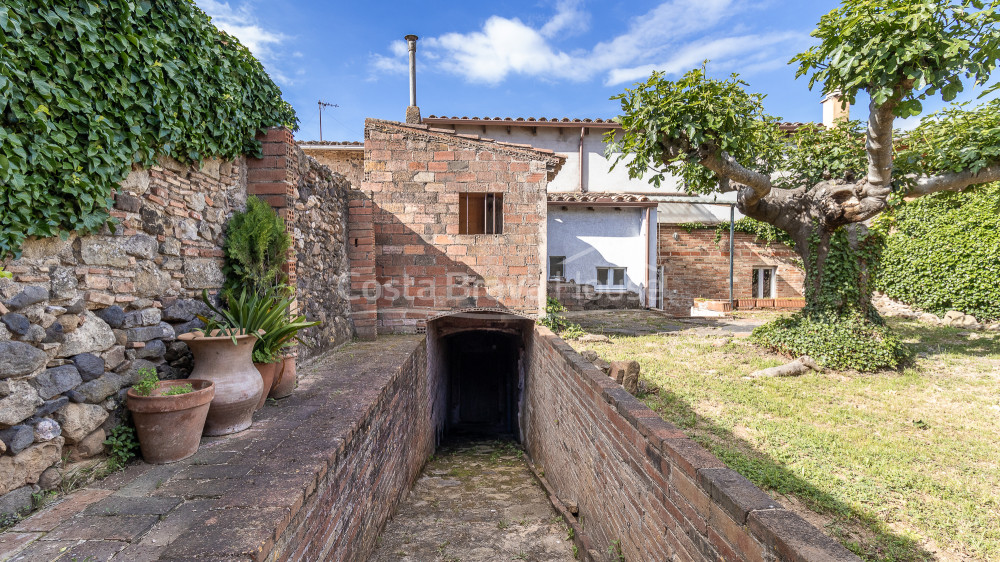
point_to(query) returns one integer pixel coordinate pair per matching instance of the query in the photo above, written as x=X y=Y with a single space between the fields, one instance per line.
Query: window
x=763 y=282
x=480 y=213
x=557 y=268
x=611 y=277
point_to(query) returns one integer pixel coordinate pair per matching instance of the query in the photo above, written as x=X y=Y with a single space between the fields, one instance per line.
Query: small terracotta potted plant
x=169 y=416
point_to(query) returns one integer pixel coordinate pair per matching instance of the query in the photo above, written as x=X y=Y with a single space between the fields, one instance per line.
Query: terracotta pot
x=284 y=381
x=266 y=371
x=238 y=386
x=170 y=427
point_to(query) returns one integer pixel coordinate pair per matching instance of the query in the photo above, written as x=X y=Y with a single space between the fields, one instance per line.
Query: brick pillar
x=273 y=179
x=361 y=253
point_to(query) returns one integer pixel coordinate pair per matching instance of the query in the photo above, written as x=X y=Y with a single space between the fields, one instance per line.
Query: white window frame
x=609 y=276
x=562 y=262
x=758 y=275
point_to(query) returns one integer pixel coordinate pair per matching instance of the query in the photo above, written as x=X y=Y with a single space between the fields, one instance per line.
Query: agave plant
x=266 y=314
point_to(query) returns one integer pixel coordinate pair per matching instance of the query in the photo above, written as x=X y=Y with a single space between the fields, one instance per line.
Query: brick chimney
x=834 y=108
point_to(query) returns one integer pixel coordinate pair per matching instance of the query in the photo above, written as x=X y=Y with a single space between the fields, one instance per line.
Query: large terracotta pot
x=170 y=427
x=238 y=386
x=284 y=379
x=266 y=371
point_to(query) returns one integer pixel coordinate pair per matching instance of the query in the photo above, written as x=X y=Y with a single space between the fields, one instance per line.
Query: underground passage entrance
x=476 y=371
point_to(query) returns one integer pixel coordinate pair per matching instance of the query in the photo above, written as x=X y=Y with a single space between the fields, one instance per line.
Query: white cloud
x=241 y=23
x=666 y=38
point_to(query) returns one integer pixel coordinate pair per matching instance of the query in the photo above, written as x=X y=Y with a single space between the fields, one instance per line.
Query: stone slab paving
x=476 y=501
x=231 y=499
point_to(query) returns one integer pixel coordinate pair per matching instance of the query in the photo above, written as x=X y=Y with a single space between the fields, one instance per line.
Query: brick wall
x=423 y=266
x=696 y=266
x=639 y=480
x=372 y=472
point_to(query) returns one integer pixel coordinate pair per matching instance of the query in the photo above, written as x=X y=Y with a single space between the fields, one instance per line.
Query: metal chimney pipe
x=411 y=42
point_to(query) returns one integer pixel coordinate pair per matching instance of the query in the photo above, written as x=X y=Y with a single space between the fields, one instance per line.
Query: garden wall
x=374 y=469
x=696 y=265
x=313 y=202
x=82 y=315
x=639 y=480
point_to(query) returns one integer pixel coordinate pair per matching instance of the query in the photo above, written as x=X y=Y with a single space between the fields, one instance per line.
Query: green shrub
x=556 y=322
x=256 y=248
x=850 y=342
x=943 y=252
x=124 y=445
x=89 y=88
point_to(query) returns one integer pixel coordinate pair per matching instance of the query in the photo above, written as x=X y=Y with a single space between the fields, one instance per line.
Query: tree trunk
x=839 y=265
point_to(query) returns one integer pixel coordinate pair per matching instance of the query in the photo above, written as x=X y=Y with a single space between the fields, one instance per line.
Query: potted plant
x=169 y=416
x=222 y=354
x=282 y=339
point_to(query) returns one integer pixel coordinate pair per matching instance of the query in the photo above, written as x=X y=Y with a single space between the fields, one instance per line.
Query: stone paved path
x=229 y=500
x=476 y=501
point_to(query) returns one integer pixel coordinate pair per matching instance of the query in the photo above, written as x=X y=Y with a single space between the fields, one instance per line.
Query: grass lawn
x=896 y=465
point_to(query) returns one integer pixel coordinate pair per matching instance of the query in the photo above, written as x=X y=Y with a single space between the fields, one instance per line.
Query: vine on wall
x=761 y=230
x=943 y=252
x=87 y=89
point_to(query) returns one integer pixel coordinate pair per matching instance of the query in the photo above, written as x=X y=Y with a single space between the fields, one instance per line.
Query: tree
x=823 y=186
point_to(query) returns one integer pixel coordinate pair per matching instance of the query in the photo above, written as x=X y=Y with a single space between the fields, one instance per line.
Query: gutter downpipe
x=583 y=131
x=732 y=231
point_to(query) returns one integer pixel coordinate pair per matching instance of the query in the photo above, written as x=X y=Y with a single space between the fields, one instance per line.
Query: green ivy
x=943 y=252
x=88 y=88
x=761 y=230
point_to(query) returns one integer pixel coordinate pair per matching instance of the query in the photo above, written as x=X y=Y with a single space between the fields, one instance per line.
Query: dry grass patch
x=897 y=465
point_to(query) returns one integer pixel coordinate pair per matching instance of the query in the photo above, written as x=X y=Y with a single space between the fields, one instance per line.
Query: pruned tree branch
x=954 y=181
x=727 y=167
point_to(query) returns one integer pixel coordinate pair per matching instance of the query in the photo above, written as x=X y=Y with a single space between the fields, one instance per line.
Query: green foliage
x=124 y=445
x=178 y=389
x=256 y=248
x=838 y=276
x=877 y=45
x=814 y=153
x=555 y=321
x=847 y=342
x=266 y=314
x=943 y=252
x=697 y=114
x=5 y=274
x=89 y=88
x=954 y=139
x=148 y=381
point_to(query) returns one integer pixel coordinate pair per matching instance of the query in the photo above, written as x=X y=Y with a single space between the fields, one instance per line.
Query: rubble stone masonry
x=414 y=176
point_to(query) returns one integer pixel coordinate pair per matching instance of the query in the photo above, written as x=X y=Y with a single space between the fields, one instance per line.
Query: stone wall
x=81 y=316
x=639 y=480
x=344 y=158
x=423 y=266
x=313 y=202
x=697 y=266
x=371 y=473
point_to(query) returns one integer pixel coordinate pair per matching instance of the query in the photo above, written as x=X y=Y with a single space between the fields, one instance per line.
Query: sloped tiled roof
x=599 y=198
x=785 y=127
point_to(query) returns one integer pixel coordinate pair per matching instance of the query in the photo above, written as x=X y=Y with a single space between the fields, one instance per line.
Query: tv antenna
x=321 y=105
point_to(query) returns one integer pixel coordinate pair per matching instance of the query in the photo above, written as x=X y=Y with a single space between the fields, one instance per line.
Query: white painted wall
x=603 y=237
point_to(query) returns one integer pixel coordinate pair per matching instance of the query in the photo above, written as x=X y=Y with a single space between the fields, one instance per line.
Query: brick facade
x=423 y=266
x=697 y=266
x=639 y=480
x=345 y=159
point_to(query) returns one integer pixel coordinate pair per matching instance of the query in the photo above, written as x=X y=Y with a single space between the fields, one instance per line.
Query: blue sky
x=515 y=58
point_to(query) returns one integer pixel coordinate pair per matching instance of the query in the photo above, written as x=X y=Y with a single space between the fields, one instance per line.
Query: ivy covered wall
x=89 y=88
x=943 y=252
